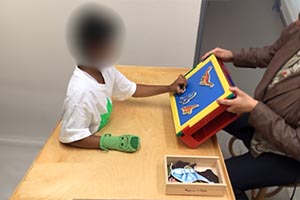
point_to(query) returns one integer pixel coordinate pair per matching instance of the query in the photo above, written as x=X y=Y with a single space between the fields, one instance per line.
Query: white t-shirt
x=88 y=104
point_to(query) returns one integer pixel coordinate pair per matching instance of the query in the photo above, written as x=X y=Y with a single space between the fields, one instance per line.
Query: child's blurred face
x=94 y=35
x=104 y=55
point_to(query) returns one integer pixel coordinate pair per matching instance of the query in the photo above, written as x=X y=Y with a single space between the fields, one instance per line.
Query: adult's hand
x=223 y=54
x=242 y=103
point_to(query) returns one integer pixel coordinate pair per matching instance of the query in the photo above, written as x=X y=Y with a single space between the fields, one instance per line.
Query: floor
x=229 y=23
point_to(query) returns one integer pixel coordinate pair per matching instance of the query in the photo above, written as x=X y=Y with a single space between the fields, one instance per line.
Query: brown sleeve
x=274 y=128
x=261 y=57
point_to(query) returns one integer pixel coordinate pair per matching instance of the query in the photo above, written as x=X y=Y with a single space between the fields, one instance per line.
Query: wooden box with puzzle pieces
x=196 y=114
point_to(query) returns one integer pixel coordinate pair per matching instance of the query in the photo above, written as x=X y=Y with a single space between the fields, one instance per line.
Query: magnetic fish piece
x=187 y=98
x=187 y=110
x=180 y=164
x=188 y=175
x=209 y=174
x=205 y=80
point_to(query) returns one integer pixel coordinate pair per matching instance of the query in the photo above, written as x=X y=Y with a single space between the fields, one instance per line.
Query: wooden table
x=62 y=172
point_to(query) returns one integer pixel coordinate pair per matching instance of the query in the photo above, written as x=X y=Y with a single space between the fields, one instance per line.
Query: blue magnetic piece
x=188 y=175
x=186 y=99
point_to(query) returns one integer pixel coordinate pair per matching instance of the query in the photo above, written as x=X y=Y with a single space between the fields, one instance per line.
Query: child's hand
x=179 y=85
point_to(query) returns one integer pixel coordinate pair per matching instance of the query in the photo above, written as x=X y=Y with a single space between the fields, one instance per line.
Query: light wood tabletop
x=66 y=173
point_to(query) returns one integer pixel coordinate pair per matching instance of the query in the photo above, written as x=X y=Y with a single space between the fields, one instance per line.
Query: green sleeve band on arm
x=125 y=143
x=101 y=146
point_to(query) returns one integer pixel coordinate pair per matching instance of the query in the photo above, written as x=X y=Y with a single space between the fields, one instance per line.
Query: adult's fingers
x=225 y=102
x=208 y=53
x=235 y=89
x=231 y=109
x=205 y=56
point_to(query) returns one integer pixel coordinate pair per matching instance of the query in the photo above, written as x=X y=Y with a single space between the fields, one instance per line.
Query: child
x=94 y=36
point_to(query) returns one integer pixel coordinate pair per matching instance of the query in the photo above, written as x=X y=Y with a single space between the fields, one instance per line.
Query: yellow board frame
x=211 y=107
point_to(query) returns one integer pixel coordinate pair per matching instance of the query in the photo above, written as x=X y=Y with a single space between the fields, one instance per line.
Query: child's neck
x=95 y=73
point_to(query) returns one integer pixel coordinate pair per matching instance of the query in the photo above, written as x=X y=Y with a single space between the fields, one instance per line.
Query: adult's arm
x=261 y=57
x=268 y=123
x=274 y=128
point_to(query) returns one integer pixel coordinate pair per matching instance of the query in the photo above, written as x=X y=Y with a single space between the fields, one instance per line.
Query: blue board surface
x=205 y=94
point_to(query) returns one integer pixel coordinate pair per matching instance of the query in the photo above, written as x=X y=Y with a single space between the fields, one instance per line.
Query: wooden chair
x=260 y=193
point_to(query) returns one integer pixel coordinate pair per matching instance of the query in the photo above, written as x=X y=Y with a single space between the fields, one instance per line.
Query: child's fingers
x=181 y=81
x=184 y=83
x=181 y=77
x=180 y=89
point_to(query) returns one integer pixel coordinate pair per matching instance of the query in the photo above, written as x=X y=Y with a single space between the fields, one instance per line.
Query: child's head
x=94 y=34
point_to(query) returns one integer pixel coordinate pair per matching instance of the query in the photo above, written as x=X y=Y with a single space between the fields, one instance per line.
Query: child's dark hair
x=92 y=26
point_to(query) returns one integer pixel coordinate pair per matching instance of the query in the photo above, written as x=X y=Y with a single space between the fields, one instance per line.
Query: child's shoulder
x=112 y=72
x=109 y=70
x=78 y=88
x=79 y=94
x=79 y=84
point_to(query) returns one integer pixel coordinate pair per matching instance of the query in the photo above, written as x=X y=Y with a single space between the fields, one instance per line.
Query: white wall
x=35 y=65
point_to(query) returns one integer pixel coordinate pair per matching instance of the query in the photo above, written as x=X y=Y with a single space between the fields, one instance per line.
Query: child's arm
x=150 y=90
x=91 y=142
x=125 y=143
